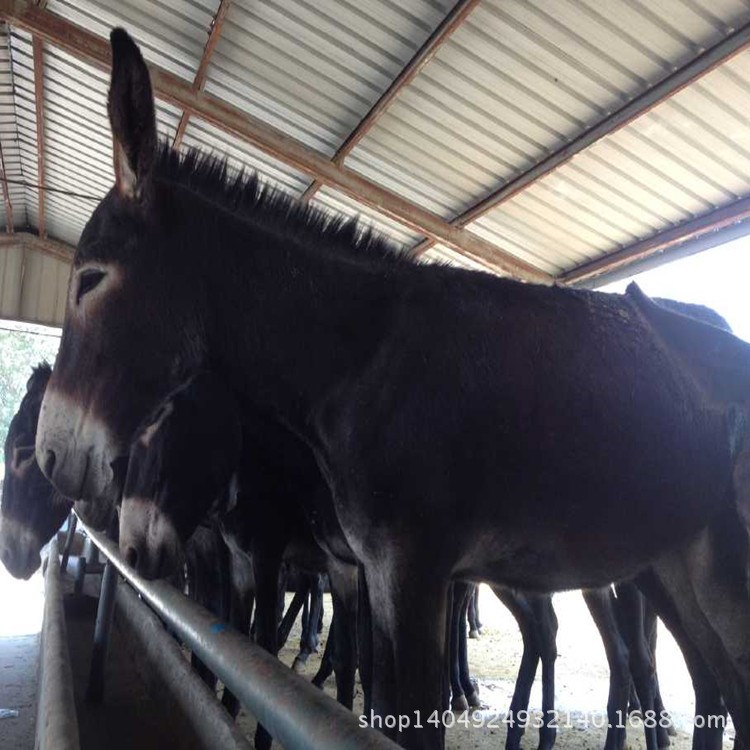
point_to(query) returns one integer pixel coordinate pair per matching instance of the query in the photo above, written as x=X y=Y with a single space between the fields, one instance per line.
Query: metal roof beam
x=6 y=195
x=657 y=94
x=200 y=76
x=45 y=245
x=95 y=51
x=38 y=47
x=669 y=239
x=459 y=13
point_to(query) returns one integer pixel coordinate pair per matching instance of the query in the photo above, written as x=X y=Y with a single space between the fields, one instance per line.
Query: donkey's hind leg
x=599 y=602
x=518 y=713
x=629 y=609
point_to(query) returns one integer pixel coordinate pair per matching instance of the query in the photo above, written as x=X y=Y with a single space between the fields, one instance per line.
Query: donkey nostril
x=131 y=557
x=49 y=463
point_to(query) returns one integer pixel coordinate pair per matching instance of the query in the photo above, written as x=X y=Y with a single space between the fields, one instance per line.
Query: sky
x=718 y=278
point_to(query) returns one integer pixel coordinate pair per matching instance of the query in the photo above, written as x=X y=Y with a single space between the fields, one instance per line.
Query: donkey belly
x=569 y=541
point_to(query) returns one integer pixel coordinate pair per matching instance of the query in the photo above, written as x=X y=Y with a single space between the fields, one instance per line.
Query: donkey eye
x=21 y=456
x=87 y=281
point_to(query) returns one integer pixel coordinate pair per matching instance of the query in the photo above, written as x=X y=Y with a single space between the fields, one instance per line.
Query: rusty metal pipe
x=56 y=725
x=297 y=714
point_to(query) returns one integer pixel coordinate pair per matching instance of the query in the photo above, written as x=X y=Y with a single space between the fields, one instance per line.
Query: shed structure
x=556 y=141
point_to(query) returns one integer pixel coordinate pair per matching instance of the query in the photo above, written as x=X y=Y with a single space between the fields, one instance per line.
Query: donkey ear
x=132 y=117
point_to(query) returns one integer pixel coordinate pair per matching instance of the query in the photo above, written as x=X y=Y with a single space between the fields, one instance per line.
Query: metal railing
x=297 y=714
x=56 y=723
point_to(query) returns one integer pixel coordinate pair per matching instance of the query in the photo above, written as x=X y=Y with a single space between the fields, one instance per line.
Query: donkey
x=592 y=433
x=32 y=509
x=180 y=462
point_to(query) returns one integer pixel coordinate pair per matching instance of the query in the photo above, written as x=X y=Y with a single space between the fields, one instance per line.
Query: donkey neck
x=287 y=323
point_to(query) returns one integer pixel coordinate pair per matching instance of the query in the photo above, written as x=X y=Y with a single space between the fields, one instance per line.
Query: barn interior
x=566 y=142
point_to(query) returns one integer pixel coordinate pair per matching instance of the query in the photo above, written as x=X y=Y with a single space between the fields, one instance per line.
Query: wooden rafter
x=38 y=47
x=6 y=194
x=45 y=245
x=200 y=77
x=693 y=229
x=423 y=55
x=95 y=51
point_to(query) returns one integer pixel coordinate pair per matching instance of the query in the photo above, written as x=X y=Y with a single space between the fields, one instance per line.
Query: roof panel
x=78 y=145
x=315 y=69
x=518 y=81
x=687 y=156
x=11 y=148
x=172 y=33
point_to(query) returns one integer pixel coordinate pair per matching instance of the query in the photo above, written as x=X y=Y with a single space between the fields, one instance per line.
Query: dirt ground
x=582 y=680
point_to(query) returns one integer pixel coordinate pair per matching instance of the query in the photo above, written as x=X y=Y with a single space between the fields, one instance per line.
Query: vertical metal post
x=72 y=525
x=104 y=616
x=80 y=576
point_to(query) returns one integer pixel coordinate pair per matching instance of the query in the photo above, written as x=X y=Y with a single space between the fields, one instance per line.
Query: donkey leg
x=629 y=610
x=343 y=580
x=290 y=616
x=473 y=613
x=458 y=700
x=710 y=712
x=599 y=602
x=706 y=581
x=240 y=610
x=469 y=688
x=546 y=626
x=364 y=640
x=326 y=663
x=519 y=706
x=665 y=727
x=409 y=615
x=267 y=563
x=310 y=641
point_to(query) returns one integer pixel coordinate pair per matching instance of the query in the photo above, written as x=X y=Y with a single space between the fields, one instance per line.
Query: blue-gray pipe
x=297 y=714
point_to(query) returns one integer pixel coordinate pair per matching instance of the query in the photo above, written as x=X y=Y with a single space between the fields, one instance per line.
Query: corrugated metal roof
x=315 y=69
x=687 y=156
x=9 y=138
x=78 y=153
x=521 y=78
x=172 y=33
x=517 y=81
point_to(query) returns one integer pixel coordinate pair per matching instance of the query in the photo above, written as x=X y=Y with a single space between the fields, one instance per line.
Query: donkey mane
x=246 y=195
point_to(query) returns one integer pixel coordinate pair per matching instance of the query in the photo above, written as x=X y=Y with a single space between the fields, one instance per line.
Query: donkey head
x=31 y=510
x=131 y=330
x=181 y=463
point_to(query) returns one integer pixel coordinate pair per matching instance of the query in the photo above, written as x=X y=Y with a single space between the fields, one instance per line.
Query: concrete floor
x=19 y=658
x=20 y=624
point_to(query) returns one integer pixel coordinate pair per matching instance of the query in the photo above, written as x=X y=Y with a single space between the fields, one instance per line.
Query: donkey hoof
x=298 y=666
x=473 y=700
x=474 y=634
x=459 y=703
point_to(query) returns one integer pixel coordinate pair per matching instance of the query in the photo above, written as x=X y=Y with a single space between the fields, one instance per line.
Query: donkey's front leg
x=409 y=617
x=267 y=564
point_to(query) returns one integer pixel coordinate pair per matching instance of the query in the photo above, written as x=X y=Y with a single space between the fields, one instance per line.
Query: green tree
x=20 y=351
